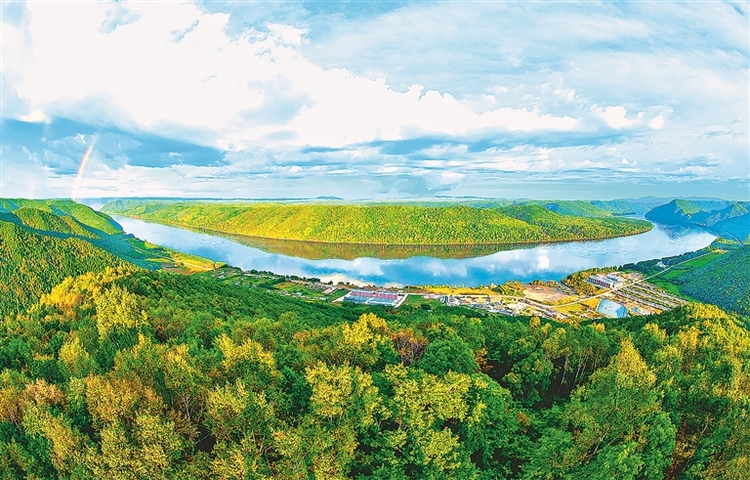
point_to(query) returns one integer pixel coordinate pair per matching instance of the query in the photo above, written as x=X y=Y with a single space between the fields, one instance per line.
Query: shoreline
x=368 y=244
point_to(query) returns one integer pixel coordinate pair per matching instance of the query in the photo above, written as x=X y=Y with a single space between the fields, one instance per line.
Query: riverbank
x=548 y=262
x=381 y=225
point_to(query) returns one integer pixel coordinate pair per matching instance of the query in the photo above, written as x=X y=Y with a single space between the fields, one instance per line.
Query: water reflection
x=352 y=251
x=547 y=262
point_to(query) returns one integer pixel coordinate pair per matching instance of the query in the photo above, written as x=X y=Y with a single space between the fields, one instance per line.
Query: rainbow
x=82 y=167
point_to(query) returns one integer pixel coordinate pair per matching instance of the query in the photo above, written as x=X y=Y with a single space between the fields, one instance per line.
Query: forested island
x=112 y=366
x=392 y=224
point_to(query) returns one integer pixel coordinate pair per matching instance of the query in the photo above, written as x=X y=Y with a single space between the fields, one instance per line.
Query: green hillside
x=732 y=222
x=65 y=208
x=713 y=275
x=49 y=222
x=621 y=207
x=31 y=264
x=396 y=224
x=729 y=220
x=677 y=212
x=737 y=209
x=41 y=246
x=724 y=282
x=152 y=375
x=578 y=208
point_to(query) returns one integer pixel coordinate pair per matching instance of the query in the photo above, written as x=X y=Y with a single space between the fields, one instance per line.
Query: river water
x=544 y=262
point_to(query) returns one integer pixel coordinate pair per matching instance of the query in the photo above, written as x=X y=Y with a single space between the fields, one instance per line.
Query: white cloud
x=173 y=69
x=697 y=170
x=500 y=89
x=35 y=116
x=568 y=94
x=657 y=123
x=615 y=116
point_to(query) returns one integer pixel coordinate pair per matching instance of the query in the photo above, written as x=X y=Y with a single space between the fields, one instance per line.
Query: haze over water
x=544 y=262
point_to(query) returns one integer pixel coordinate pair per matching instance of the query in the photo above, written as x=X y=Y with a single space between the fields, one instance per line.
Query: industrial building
x=606 y=281
x=373 y=298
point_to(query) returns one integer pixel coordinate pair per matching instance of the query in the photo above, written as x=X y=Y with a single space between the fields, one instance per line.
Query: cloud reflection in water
x=547 y=262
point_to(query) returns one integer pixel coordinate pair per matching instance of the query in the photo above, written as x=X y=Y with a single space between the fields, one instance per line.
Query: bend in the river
x=544 y=262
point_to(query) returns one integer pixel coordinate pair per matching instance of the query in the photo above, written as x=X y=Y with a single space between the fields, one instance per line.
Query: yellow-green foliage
x=146 y=374
x=64 y=208
x=49 y=222
x=31 y=264
x=381 y=224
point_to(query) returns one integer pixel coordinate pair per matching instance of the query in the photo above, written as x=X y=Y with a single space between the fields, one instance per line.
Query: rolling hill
x=82 y=214
x=621 y=207
x=32 y=263
x=395 y=224
x=578 y=208
x=724 y=282
x=678 y=212
x=726 y=219
x=44 y=241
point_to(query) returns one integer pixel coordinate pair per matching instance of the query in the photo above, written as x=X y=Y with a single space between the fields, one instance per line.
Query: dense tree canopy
x=112 y=371
x=31 y=264
x=138 y=374
x=381 y=224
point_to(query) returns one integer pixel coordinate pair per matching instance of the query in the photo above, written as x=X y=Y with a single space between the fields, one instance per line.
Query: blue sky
x=376 y=100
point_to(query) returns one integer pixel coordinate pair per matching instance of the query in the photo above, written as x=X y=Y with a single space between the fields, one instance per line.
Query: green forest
x=32 y=263
x=715 y=276
x=111 y=370
x=68 y=210
x=393 y=224
x=140 y=374
x=44 y=241
x=724 y=282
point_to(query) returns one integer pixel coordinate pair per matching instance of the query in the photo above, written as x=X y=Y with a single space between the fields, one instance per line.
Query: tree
x=618 y=427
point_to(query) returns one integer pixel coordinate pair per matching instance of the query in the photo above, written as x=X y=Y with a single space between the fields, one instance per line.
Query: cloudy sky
x=362 y=99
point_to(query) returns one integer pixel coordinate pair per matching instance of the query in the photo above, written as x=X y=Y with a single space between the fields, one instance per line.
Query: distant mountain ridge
x=726 y=219
x=598 y=208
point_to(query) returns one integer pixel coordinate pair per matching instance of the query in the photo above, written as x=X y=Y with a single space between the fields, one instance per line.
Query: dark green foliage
x=123 y=372
x=724 y=282
x=82 y=214
x=44 y=241
x=31 y=264
x=717 y=277
x=396 y=224
x=50 y=223
x=443 y=356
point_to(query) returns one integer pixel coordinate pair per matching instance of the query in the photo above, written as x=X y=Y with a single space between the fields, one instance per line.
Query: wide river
x=545 y=262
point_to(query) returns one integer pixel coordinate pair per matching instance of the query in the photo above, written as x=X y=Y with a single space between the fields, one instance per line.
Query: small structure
x=606 y=281
x=611 y=309
x=373 y=298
